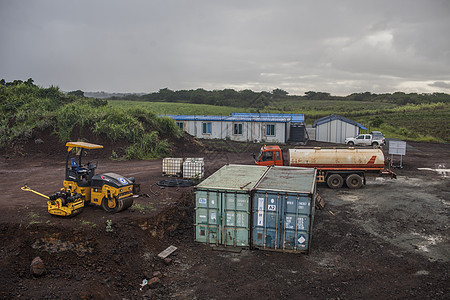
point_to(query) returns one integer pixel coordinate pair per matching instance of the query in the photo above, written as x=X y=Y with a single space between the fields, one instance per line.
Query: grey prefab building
x=335 y=129
x=237 y=128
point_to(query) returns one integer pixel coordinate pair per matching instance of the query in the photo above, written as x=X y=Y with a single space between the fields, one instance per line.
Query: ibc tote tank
x=172 y=166
x=194 y=167
x=351 y=158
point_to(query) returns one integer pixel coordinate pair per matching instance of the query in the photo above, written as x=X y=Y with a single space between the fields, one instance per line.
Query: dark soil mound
x=46 y=143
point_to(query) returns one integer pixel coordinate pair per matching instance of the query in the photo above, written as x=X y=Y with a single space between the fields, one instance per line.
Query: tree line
x=259 y=100
x=249 y=98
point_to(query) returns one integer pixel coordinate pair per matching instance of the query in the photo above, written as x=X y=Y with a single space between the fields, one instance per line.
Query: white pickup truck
x=368 y=139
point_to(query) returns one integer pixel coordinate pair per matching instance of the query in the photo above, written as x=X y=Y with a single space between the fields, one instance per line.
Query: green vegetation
x=226 y=97
x=34 y=215
x=167 y=108
x=261 y=100
x=421 y=121
x=35 y=218
x=142 y=208
x=428 y=122
x=88 y=223
x=26 y=108
x=108 y=227
x=431 y=124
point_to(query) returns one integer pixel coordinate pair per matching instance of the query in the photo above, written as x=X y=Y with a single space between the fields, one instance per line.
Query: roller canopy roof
x=83 y=145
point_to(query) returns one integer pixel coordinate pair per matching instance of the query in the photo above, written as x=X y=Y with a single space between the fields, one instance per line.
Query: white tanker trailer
x=334 y=166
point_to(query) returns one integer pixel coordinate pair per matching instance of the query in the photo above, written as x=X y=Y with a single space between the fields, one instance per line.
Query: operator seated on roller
x=82 y=173
x=76 y=167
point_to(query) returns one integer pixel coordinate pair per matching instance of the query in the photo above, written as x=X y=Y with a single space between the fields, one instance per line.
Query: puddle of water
x=422 y=272
x=350 y=198
x=429 y=240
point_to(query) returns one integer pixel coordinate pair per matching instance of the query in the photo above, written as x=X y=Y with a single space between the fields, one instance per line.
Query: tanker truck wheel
x=335 y=181
x=354 y=181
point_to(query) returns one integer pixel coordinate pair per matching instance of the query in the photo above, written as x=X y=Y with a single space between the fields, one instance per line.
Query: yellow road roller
x=81 y=185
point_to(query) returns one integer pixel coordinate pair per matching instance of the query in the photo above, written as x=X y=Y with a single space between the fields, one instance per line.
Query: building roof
x=337 y=117
x=294 y=118
x=232 y=118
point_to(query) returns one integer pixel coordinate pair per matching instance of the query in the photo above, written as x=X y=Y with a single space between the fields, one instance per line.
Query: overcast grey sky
x=340 y=47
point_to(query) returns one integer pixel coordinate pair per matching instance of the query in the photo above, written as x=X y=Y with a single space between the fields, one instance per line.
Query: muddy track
x=387 y=240
x=102 y=263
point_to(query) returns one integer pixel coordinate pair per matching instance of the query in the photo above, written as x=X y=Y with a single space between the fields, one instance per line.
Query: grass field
x=423 y=122
x=426 y=125
x=320 y=108
x=165 y=108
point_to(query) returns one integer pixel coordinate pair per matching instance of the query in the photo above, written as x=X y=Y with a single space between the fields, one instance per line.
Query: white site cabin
x=270 y=128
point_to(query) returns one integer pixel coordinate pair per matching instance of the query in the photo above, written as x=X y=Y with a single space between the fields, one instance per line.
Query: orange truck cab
x=269 y=156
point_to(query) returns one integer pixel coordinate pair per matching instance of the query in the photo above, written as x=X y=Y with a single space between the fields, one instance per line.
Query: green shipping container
x=223 y=205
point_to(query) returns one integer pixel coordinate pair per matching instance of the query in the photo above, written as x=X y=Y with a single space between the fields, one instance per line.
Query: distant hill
x=104 y=95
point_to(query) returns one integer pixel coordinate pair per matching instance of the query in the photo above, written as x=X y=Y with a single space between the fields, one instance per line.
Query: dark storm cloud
x=124 y=46
x=441 y=84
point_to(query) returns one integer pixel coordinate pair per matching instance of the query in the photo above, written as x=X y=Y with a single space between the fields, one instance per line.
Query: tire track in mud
x=409 y=212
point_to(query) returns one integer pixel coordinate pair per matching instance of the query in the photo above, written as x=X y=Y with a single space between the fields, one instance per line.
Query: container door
x=222 y=218
x=235 y=219
x=207 y=216
x=296 y=214
x=266 y=220
x=281 y=221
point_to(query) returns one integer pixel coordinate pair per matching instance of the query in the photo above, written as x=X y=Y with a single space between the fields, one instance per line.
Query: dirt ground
x=389 y=239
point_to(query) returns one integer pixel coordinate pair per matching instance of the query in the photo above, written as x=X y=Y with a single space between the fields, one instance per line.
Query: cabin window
x=206 y=128
x=270 y=129
x=267 y=156
x=237 y=128
x=277 y=155
x=180 y=125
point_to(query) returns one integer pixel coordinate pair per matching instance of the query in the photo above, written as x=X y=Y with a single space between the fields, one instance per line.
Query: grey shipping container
x=223 y=205
x=283 y=209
